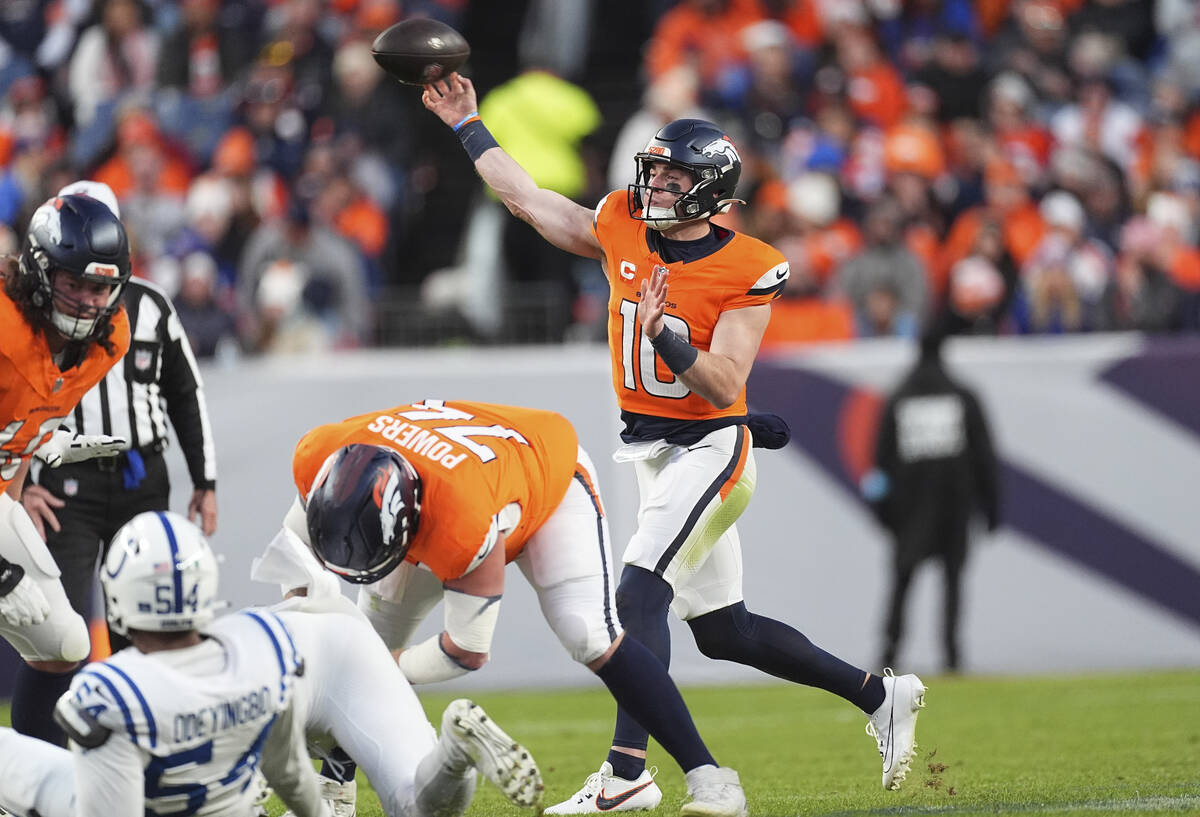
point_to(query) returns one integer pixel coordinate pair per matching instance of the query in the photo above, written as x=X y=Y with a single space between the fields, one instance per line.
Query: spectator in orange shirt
x=706 y=33
x=913 y=160
x=874 y=88
x=815 y=240
x=143 y=158
x=1006 y=201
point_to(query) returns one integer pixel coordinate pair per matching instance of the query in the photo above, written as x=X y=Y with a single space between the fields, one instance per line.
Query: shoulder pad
x=80 y=725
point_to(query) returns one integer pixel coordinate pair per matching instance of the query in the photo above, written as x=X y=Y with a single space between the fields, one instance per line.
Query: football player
x=179 y=722
x=63 y=328
x=353 y=696
x=688 y=304
x=428 y=502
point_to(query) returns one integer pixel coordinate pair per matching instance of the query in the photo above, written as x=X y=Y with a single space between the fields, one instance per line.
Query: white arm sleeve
x=470 y=624
x=109 y=779
x=288 y=769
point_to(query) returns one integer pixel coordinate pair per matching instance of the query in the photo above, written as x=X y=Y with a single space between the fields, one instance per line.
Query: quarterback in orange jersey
x=688 y=304
x=427 y=502
x=61 y=329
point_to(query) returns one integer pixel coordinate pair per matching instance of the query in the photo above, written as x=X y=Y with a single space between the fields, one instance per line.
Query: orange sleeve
x=669 y=42
x=958 y=244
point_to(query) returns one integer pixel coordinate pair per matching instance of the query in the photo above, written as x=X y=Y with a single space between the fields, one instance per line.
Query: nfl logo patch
x=70 y=487
x=142 y=358
x=659 y=269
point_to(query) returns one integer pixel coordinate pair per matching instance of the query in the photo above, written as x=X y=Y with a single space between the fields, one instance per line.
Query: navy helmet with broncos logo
x=702 y=149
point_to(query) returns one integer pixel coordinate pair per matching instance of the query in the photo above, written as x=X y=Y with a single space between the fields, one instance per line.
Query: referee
x=80 y=506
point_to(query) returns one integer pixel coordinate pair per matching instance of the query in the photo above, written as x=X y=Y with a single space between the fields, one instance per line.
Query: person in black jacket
x=934 y=468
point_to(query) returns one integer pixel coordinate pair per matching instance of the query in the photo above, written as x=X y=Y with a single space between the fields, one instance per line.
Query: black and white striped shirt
x=157 y=381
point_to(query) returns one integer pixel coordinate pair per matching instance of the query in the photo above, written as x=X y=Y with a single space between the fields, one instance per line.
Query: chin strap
x=725 y=205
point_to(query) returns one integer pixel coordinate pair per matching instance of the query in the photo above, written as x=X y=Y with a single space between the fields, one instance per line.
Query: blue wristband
x=465 y=120
x=475 y=138
x=677 y=353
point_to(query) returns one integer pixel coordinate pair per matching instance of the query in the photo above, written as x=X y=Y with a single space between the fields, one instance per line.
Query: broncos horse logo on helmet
x=363 y=512
x=79 y=236
x=703 y=150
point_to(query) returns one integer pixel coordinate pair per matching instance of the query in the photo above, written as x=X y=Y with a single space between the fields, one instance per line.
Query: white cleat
x=603 y=792
x=894 y=725
x=498 y=757
x=716 y=791
x=340 y=797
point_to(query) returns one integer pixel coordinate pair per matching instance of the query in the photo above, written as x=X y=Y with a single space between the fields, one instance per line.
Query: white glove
x=67 y=447
x=25 y=604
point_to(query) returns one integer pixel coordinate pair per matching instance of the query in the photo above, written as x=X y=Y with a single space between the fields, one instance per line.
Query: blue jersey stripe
x=129 y=727
x=283 y=671
x=151 y=726
x=287 y=634
x=176 y=575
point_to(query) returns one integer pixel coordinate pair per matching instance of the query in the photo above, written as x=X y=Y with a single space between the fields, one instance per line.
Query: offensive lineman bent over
x=462 y=488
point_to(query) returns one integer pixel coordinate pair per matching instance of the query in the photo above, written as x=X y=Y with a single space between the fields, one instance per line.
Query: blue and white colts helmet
x=159 y=575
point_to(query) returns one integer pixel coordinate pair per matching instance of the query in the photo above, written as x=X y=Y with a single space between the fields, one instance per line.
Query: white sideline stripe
x=1126 y=805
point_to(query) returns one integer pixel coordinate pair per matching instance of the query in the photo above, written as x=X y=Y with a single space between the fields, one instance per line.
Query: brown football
x=420 y=50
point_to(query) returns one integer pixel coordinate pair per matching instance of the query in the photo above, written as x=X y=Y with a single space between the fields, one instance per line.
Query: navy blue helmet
x=363 y=512
x=77 y=236
x=704 y=150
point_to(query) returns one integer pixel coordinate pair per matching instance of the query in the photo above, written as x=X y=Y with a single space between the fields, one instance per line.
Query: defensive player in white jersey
x=414 y=772
x=180 y=722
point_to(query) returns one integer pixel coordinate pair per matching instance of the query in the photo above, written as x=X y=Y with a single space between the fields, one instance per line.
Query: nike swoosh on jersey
x=607 y=803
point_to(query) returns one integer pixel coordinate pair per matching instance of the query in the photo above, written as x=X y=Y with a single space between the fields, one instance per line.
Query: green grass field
x=1112 y=744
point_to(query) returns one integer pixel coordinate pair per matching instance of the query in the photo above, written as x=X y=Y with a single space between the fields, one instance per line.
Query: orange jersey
x=474 y=459
x=744 y=272
x=35 y=395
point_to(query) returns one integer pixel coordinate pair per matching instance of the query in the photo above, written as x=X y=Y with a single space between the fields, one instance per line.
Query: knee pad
x=718 y=632
x=583 y=626
x=20 y=542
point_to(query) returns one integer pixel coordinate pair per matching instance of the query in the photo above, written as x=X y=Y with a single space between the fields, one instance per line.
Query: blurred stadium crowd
x=998 y=166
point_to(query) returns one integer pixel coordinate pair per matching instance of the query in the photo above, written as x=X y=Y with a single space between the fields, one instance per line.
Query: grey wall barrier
x=1096 y=568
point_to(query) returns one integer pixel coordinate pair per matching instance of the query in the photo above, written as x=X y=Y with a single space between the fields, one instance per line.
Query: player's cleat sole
x=499 y=758
x=604 y=792
x=894 y=725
